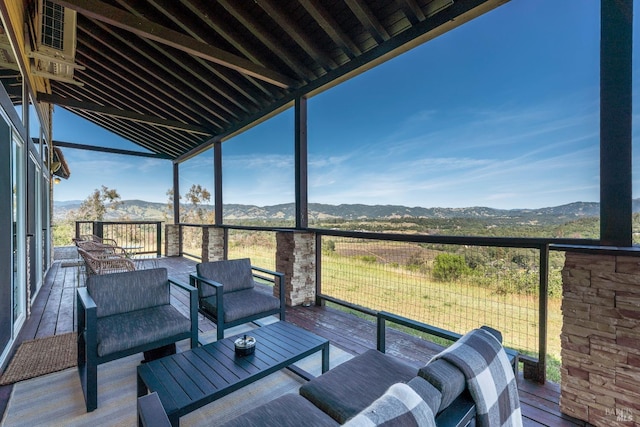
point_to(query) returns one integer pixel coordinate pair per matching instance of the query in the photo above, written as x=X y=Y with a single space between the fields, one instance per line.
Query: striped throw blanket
x=485 y=365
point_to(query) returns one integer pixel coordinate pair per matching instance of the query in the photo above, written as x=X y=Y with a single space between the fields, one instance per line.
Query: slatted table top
x=189 y=380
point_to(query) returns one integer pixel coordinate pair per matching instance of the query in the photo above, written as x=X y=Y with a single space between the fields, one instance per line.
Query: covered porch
x=271 y=61
x=53 y=313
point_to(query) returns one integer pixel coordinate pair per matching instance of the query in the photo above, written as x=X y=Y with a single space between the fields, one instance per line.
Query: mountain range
x=139 y=210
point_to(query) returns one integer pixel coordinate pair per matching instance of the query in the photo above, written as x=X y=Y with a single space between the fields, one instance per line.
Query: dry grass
x=373 y=276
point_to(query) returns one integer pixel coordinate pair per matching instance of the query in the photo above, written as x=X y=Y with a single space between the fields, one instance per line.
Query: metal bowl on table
x=245 y=345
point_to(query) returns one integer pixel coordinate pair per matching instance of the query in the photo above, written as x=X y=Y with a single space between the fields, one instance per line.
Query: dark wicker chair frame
x=88 y=358
x=199 y=282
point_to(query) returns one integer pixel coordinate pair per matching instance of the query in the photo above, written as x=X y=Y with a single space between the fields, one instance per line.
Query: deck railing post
x=543 y=301
x=319 y=300
x=225 y=243
x=159 y=238
x=98 y=228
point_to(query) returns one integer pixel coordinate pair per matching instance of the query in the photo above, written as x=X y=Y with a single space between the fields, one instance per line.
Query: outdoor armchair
x=121 y=314
x=228 y=295
x=105 y=262
x=93 y=246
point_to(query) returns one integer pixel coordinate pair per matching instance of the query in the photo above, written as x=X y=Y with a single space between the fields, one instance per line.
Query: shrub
x=370 y=259
x=448 y=267
x=330 y=245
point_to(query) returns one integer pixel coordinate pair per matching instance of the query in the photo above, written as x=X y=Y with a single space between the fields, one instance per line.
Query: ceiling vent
x=53 y=39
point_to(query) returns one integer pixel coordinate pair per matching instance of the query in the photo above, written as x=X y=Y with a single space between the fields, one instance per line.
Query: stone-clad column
x=215 y=243
x=296 y=258
x=601 y=339
x=172 y=240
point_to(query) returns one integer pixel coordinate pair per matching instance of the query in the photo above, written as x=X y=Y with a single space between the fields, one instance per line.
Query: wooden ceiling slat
x=123 y=114
x=225 y=75
x=412 y=11
x=157 y=136
x=187 y=77
x=123 y=130
x=331 y=27
x=170 y=93
x=260 y=33
x=224 y=29
x=368 y=20
x=298 y=35
x=134 y=95
x=118 y=18
x=191 y=30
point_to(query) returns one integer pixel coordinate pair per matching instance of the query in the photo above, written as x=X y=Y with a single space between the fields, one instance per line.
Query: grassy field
x=379 y=276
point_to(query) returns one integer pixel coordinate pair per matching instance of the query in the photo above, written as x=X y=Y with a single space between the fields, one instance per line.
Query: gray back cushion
x=234 y=274
x=129 y=291
x=445 y=377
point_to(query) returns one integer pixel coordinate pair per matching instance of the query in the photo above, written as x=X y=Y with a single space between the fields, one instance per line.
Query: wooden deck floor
x=54 y=313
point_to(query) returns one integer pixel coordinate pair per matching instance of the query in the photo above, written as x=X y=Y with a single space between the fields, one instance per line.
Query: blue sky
x=500 y=112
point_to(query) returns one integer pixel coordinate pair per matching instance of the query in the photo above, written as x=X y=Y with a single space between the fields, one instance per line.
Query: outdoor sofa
x=375 y=388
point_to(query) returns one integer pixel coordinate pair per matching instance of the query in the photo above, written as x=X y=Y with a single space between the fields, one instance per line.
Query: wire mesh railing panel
x=260 y=246
x=191 y=236
x=454 y=287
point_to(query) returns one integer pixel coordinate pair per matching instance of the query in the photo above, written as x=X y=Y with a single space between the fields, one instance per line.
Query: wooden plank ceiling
x=174 y=75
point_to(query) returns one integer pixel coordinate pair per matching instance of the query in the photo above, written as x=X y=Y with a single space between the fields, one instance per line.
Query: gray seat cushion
x=352 y=386
x=128 y=330
x=289 y=410
x=446 y=378
x=241 y=304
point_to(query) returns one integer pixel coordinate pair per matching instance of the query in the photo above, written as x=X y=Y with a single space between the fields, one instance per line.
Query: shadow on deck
x=53 y=313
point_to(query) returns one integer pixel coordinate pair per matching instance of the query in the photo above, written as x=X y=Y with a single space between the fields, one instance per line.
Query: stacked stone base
x=601 y=339
x=296 y=258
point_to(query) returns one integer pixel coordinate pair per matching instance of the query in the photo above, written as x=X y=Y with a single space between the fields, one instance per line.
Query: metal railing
x=257 y=244
x=452 y=282
x=139 y=238
x=191 y=240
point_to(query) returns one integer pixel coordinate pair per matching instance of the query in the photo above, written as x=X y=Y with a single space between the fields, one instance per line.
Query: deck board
x=53 y=313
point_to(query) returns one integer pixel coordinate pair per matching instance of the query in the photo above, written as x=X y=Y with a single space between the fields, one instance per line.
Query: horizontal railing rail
x=508 y=272
x=327 y=272
x=138 y=238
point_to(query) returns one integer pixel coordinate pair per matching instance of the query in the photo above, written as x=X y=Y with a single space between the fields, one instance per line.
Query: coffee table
x=189 y=380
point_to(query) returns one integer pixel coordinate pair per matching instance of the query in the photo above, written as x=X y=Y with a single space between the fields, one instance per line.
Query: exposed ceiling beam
x=368 y=20
x=173 y=13
x=331 y=27
x=140 y=72
x=131 y=115
x=144 y=28
x=266 y=38
x=297 y=34
x=157 y=61
x=109 y=150
x=412 y=11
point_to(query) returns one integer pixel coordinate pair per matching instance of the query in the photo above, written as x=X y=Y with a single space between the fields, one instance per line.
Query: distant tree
x=94 y=207
x=169 y=212
x=196 y=197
